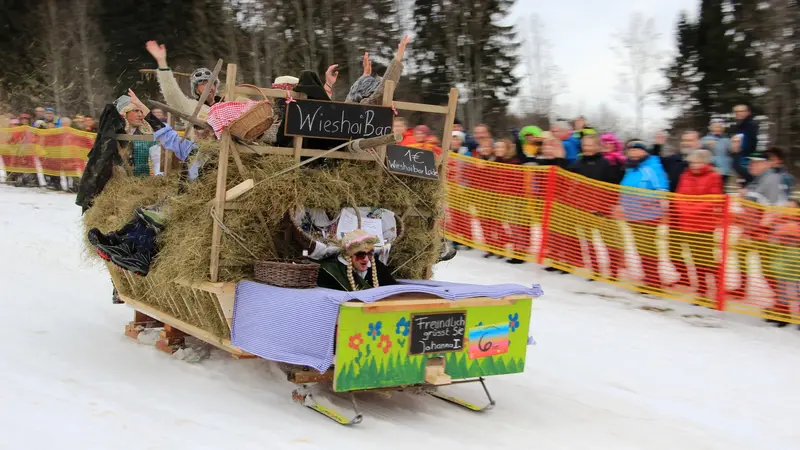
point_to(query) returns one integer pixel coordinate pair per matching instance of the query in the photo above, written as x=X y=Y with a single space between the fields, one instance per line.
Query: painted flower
x=385 y=343
x=513 y=321
x=374 y=330
x=402 y=327
x=355 y=341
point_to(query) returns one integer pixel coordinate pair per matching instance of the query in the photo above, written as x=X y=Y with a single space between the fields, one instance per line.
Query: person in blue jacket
x=572 y=144
x=642 y=204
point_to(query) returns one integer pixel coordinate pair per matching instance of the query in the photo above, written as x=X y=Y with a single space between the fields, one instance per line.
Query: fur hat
x=358 y=241
x=286 y=79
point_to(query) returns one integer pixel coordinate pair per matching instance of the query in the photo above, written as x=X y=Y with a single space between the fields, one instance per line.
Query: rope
x=235 y=236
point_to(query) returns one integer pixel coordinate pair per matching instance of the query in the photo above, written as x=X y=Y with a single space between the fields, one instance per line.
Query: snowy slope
x=605 y=373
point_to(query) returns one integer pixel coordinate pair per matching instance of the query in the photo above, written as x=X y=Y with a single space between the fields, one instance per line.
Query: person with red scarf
x=696 y=219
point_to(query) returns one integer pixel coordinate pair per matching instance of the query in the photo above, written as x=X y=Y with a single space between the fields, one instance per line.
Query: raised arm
x=170 y=89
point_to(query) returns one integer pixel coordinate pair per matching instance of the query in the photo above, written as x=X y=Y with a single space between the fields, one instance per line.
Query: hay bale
x=185 y=244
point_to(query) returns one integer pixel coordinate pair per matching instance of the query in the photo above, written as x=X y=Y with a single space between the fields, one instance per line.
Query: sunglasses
x=205 y=73
x=361 y=255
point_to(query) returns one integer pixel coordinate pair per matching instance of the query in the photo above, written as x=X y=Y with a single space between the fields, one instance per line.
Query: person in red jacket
x=401 y=125
x=696 y=219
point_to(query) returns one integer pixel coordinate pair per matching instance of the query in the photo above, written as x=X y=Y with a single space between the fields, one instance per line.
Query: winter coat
x=597 y=168
x=787 y=181
x=749 y=128
x=673 y=165
x=174 y=95
x=408 y=138
x=572 y=147
x=722 y=152
x=103 y=156
x=767 y=189
x=333 y=275
x=644 y=203
x=697 y=215
x=542 y=161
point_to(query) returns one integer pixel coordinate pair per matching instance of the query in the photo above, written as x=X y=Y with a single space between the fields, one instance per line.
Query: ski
x=305 y=398
x=464 y=403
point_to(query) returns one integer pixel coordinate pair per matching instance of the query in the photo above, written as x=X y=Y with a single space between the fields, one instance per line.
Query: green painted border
x=370 y=356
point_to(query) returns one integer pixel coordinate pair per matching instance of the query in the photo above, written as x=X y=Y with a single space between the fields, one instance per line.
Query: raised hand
x=137 y=103
x=331 y=75
x=367 y=65
x=158 y=52
x=401 y=49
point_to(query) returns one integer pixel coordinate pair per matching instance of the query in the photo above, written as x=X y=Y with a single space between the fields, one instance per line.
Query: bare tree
x=605 y=119
x=54 y=52
x=544 y=79
x=639 y=63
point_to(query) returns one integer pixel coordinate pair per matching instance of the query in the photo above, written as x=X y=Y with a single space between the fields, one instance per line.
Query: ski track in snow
x=604 y=373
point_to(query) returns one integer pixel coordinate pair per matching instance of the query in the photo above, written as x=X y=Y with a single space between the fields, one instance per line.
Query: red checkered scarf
x=222 y=114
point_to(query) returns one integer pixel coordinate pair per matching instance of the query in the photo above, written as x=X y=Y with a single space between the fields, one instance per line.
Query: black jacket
x=749 y=128
x=674 y=165
x=597 y=168
x=103 y=156
x=540 y=161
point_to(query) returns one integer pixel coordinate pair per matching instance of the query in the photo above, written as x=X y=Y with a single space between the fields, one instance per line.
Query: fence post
x=550 y=189
x=723 y=264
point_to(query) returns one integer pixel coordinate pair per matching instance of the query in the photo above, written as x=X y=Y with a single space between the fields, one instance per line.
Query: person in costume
x=355 y=268
x=368 y=89
x=135 y=155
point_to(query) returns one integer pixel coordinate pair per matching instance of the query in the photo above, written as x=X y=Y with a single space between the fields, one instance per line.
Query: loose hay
x=185 y=244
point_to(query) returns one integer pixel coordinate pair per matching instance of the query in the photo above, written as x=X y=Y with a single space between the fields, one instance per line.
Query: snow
x=605 y=373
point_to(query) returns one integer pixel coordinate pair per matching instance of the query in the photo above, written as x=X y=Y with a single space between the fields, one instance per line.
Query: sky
x=580 y=33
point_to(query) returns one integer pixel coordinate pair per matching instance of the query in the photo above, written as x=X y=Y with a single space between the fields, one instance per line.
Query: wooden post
x=298 y=141
x=449 y=118
x=388 y=96
x=219 y=203
x=222 y=179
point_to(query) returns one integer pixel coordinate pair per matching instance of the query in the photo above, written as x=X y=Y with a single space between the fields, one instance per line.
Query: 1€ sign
x=415 y=162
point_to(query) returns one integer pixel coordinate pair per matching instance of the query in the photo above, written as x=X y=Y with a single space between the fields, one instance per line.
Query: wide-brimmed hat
x=358 y=241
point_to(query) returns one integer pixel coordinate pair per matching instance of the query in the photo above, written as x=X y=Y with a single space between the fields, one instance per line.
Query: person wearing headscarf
x=368 y=89
x=355 y=268
x=135 y=155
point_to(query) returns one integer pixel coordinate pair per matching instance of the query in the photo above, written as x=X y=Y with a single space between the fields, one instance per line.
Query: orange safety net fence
x=718 y=251
x=54 y=151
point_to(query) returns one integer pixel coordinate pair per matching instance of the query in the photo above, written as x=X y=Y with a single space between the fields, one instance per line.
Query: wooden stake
x=388 y=95
x=219 y=204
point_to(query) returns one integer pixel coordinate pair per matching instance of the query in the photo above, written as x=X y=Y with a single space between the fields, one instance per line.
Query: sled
x=409 y=342
x=375 y=352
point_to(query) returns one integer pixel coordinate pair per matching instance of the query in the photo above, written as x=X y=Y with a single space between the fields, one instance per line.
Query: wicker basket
x=255 y=121
x=288 y=274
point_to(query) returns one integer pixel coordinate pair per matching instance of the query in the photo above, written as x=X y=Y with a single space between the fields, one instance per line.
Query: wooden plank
x=269 y=92
x=238 y=160
x=298 y=140
x=431 y=304
x=263 y=150
x=219 y=203
x=309 y=376
x=237 y=191
x=230 y=83
x=168 y=155
x=203 y=335
x=421 y=107
x=135 y=137
x=227 y=300
x=193 y=120
x=388 y=95
x=214 y=288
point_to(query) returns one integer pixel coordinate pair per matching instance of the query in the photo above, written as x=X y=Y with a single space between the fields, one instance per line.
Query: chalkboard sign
x=415 y=162
x=333 y=120
x=437 y=332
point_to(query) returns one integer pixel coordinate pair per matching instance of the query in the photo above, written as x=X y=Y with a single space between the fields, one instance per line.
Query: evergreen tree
x=682 y=74
x=464 y=44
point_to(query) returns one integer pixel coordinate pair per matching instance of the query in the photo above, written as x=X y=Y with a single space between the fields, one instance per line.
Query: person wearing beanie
x=355 y=268
x=644 y=210
x=368 y=89
x=172 y=91
x=530 y=139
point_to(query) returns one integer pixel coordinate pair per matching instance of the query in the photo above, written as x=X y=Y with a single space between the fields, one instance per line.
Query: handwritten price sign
x=414 y=162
